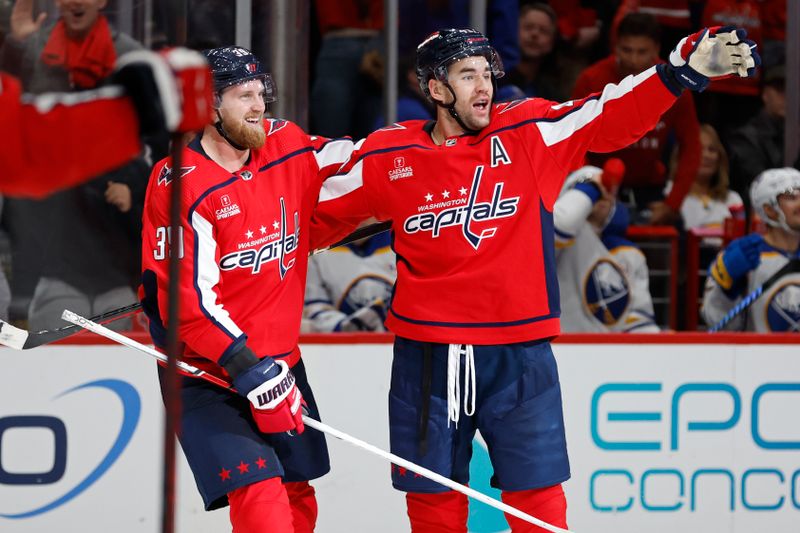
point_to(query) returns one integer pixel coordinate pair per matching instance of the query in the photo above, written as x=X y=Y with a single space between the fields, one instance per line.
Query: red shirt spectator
x=744 y=14
x=637 y=48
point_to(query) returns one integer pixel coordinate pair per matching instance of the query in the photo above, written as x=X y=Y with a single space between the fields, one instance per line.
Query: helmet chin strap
x=224 y=134
x=451 y=108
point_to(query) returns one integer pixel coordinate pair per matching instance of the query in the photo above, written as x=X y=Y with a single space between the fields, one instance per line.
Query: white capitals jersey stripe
x=335 y=152
x=558 y=130
x=207 y=275
x=342 y=184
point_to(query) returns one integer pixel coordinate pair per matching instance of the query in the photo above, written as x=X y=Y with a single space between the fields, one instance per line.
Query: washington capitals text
x=463 y=216
x=270 y=251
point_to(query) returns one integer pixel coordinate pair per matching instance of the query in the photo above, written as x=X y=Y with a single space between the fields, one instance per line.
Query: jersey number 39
x=164 y=243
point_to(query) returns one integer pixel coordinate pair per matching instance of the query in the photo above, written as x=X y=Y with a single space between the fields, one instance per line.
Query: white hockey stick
x=78 y=320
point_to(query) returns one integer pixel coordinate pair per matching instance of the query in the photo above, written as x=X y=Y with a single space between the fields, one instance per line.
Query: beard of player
x=243 y=133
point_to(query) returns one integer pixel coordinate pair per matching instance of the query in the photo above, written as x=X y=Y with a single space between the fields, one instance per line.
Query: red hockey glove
x=717 y=52
x=275 y=400
x=170 y=90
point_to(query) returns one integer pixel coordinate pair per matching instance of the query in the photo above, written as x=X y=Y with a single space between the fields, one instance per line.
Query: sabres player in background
x=476 y=300
x=249 y=186
x=602 y=277
x=349 y=287
x=749 y=261
x=56 y=140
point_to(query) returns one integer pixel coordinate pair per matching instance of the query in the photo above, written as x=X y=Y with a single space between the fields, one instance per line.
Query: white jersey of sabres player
x=602 y=290
x=776 y=310
x=344 y=281
x=706 y=212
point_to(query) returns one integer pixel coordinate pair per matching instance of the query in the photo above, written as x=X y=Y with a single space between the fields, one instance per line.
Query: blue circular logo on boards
x=131 y=408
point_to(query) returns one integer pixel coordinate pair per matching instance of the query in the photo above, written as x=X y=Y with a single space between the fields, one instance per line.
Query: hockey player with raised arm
x=55 y=141
x=602 y=277
x=746 y=263
x=249 y=186
x=476 y=300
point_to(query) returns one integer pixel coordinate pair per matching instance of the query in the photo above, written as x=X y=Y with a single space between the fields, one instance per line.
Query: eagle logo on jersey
x=272 y=250
x=165 y=176
x=465 y=215
x=606 y=292
x=276 y=125
x=783 y=309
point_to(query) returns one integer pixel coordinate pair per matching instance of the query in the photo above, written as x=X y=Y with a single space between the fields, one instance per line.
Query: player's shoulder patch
x=274 y=125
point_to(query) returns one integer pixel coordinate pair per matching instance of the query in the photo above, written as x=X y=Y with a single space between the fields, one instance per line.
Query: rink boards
x=689 y=435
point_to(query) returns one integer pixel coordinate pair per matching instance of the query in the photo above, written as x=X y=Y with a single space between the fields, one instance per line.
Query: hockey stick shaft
x=21 y=339
x=69 y=316
x=792 y=266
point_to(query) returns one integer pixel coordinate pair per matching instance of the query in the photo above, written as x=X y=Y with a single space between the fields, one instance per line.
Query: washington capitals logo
x=165 y=176
x=272 y=250
x=465 y=215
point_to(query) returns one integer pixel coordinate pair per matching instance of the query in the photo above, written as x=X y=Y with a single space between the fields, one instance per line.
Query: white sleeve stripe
x=335 y=151
x=563 y=127
x=47 y=101
x=342 y=184
x=206 y=276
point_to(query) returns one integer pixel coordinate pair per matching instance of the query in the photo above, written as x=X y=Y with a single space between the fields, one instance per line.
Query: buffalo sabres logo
x=165 y=176
x=465 y=215
x=275 y=250
x=783 y=309
x=605 y=292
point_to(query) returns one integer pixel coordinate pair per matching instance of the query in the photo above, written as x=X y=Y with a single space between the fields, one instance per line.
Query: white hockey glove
x=712 y=53
x=171 y=90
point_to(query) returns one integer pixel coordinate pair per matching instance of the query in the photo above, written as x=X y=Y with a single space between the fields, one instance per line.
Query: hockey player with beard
x=249 y=186
x=476 y=299
x=749 y=261
x=603 y=278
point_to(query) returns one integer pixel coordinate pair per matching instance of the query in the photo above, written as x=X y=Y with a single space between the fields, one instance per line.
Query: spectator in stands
x=82 y=241
x=420 y=18
x=758 y=145
x=345 y=96
x=643 y=189
x=602 y=277
x=349 y=288
x=746 y=263
x=676 y=18
x=710 y=201
x=715 y=104
x=411 y=103
x=537 y=73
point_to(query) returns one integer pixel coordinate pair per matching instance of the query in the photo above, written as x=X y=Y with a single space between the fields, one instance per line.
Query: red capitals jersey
x=56 y=141
x=244 y=248
x=472 y=218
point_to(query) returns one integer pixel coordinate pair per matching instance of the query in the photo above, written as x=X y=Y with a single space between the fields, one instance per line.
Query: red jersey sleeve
x=601 y=122
x=344 y=202
x=59 y=140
